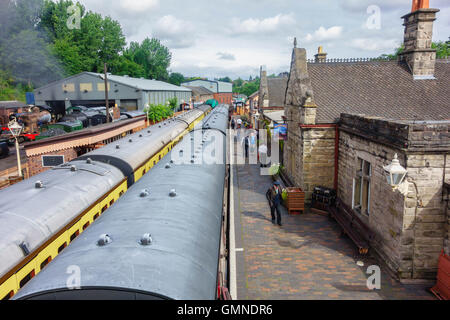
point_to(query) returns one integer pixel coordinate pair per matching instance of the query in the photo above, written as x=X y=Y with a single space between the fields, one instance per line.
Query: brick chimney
x=321 y=56
x=418 y=54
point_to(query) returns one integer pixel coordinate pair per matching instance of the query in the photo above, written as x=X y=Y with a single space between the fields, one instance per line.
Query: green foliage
x=194 y=78
x=176 y=78
x=37 y=47
x=158 y=112
x=9 y=90
x=226 y=79
x=247 y=88
x=173 y=103
x=152 y=56
x=25 y=52
x=442 y=49
x=98 y=40
x=238 y=83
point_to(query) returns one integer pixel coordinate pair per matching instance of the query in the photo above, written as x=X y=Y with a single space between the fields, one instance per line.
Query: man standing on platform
x=274 y=195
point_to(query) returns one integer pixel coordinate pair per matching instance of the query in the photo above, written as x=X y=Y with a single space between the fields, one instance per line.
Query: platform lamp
x=16 y=129
x=395 y=173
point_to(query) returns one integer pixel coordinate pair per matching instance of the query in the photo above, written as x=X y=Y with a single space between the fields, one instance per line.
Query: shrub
x=158 y=112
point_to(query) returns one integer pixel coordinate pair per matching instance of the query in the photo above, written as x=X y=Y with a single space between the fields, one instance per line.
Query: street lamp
x=15 y=128
x=395 y=173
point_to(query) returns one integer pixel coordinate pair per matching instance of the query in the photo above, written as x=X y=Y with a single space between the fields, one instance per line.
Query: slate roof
x=275 y=116
x=201 y=91
x=277 y=91
x=383 y=89
x=12 y=104
x=143 y=84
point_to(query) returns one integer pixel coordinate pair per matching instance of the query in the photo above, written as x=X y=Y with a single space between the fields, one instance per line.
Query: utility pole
x=106 y=94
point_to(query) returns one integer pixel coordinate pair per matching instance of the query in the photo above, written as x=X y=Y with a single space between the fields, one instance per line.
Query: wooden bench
x=352 y=226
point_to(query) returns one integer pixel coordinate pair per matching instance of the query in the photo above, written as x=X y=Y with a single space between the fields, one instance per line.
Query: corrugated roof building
x=88 y=89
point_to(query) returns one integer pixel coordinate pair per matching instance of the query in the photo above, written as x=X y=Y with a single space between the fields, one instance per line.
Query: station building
x=223 y=91
x=348 y=118
x=88 y=89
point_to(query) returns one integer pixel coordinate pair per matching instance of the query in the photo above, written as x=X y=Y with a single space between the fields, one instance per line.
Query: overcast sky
x=233 y=38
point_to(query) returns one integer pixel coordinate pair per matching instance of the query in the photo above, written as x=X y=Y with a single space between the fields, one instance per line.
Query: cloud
x=322 y=34
x=268 y=25
x=362 y=5
x=226 y=56
x=174 y=32
x=374 y=44
x=138 y=6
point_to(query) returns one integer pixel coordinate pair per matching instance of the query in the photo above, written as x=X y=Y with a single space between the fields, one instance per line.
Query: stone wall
x=418 y=39
x=386 y=207
x=447 y=213
x=425 y=224
x=318 y=159
x=410 y=223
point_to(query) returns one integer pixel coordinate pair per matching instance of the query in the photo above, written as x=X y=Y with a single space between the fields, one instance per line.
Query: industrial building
x=88 y=89
x=223 y=91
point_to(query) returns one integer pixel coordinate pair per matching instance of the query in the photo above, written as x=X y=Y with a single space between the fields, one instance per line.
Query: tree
x=176 y=78
x=154 y=57
x=442 y=51
x=238 y=82
x=226 y=79
x=247 y=88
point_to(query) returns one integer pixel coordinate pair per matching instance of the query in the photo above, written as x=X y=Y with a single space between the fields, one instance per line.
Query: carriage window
x=73 y=236
x=62 y=247
x=45 y=262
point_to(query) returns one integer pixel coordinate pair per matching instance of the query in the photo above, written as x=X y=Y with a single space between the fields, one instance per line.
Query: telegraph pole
x=106 y=94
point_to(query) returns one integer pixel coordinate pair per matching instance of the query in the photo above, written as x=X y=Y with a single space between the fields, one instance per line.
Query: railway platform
x=305 y=259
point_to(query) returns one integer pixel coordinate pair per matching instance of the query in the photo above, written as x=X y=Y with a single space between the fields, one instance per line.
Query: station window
x=63 y=246
x=45 y=262
x=27 y=278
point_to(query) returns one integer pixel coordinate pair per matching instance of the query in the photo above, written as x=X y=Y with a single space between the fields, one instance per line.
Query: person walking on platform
x=246 y=146
x=274 y=196
x=233 y=124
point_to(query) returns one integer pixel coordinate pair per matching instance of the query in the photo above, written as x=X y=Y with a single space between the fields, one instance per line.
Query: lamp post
x=108 y=120
x=395 y=173
x=15 y=128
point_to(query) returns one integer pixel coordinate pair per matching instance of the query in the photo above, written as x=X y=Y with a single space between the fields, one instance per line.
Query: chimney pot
x=320 y=56
x=418 y=52
x=420 y=4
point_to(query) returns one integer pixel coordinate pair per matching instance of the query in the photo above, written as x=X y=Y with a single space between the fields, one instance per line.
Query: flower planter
x=442 y=287
x=295 y=202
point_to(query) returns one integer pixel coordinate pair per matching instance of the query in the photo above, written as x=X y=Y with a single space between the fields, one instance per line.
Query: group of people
x=274 y=194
